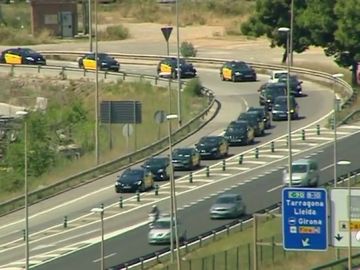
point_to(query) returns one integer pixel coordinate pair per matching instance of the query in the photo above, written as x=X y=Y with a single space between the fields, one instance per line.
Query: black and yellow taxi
x=187 y=158
x=168 y=68
x=134 y=179
x=25 y=56
x=212 y=147
x=237 y=71
x=105 y=62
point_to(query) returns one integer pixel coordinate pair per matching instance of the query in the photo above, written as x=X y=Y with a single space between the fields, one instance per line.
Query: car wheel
x=222 y=77
x=233 y=78
x=173 y=75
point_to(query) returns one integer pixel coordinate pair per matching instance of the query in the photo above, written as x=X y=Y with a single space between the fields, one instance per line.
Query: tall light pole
x=347 y=164
x=173 y=207
x=178 y=62
x=287 y=31
x=100 y=210
x=291 y=47
x=26 y=191
x=335 y=78
x=90 y=27
x=96 y=88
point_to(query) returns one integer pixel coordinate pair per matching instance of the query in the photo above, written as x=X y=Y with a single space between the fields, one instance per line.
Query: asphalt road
x=80 y=201
x=133 y=244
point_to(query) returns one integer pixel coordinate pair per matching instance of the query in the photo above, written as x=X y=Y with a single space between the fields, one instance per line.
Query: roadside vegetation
x=61 y=140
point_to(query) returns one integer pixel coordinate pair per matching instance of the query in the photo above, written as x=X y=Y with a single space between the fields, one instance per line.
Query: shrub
x=187 y=49
x=194 y=87
x=115 y=32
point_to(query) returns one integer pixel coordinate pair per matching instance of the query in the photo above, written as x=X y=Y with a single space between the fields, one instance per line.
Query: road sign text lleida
x=304 y=219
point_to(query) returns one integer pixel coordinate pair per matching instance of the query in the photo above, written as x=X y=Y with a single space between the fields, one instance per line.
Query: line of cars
x=273 y=95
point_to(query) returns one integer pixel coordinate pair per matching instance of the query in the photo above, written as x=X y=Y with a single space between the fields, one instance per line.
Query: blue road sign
x=304 y=220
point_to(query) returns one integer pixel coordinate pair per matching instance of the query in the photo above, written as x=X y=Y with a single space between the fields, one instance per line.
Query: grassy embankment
x=64 y=94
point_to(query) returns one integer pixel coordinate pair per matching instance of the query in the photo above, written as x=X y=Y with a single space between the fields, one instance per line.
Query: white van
x=276 y=74
x=305 y=173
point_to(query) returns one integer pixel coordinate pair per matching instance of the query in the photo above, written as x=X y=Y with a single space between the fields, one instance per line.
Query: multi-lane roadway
x=83 y=230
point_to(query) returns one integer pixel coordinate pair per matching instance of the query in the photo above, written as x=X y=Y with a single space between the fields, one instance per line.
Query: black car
x=264 y=114
x=105 y=62
x=280 y=108
x=138 y=179
x=186 y=158
x=269 y=92
x=213 y=147
x=255 y=120
x=239 y=133
x=159 y=167
x=23 y=56
x=295 y=84
x=237 y=71
x=168 y=68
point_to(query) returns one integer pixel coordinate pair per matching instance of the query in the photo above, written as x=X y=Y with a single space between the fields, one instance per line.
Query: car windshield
x=275 y=90
x=278 y=75
x=156 y=162
x=209 y=140
x=249 y=117
x=182 y=152
x=162 y=224
x=299 y=168
x=132 y=174
x=236 y=129
x=181 y=61
x=104 y=56
x=225 y=199
x=28 y=51
x=239 y=65
x=293 y=80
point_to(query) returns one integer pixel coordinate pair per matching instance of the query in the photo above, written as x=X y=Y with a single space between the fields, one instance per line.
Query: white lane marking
x=350 y=127
x=42 y=247
x=58 y=206
x=254 y=162
x=105 y=257
x=270 y=156
x=75 y=236
x=275 y=188
x=326 y=167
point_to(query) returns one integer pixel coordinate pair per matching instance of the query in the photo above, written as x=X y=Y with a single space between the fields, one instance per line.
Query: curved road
x=234 y=99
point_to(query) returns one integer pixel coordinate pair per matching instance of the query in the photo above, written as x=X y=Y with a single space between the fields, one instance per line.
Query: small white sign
x=339 y=198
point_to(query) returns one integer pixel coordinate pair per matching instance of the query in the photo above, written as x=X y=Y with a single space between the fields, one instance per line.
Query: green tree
x=334 y=25
x=272 y=14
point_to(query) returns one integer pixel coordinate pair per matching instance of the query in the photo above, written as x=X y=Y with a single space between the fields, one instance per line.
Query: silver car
x=160 y=232
x=228 y=205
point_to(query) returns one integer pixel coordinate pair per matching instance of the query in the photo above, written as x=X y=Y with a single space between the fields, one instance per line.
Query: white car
x=276 y=74
x=160 y=231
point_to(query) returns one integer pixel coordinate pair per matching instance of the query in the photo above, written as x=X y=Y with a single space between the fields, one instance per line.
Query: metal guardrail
x=109 y=167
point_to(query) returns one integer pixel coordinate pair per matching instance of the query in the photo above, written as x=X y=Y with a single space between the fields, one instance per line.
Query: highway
x=133 y=244
x=76 y=202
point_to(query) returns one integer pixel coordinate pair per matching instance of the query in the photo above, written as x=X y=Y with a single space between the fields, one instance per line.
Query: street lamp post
x=291 y=47
x=90 y=27
x=347 y=164
x=100 y=210
x=173 y=206
x=287 y=31
x=178 y=62
x=96 y=88
x=26 y=191
x=335 y=78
